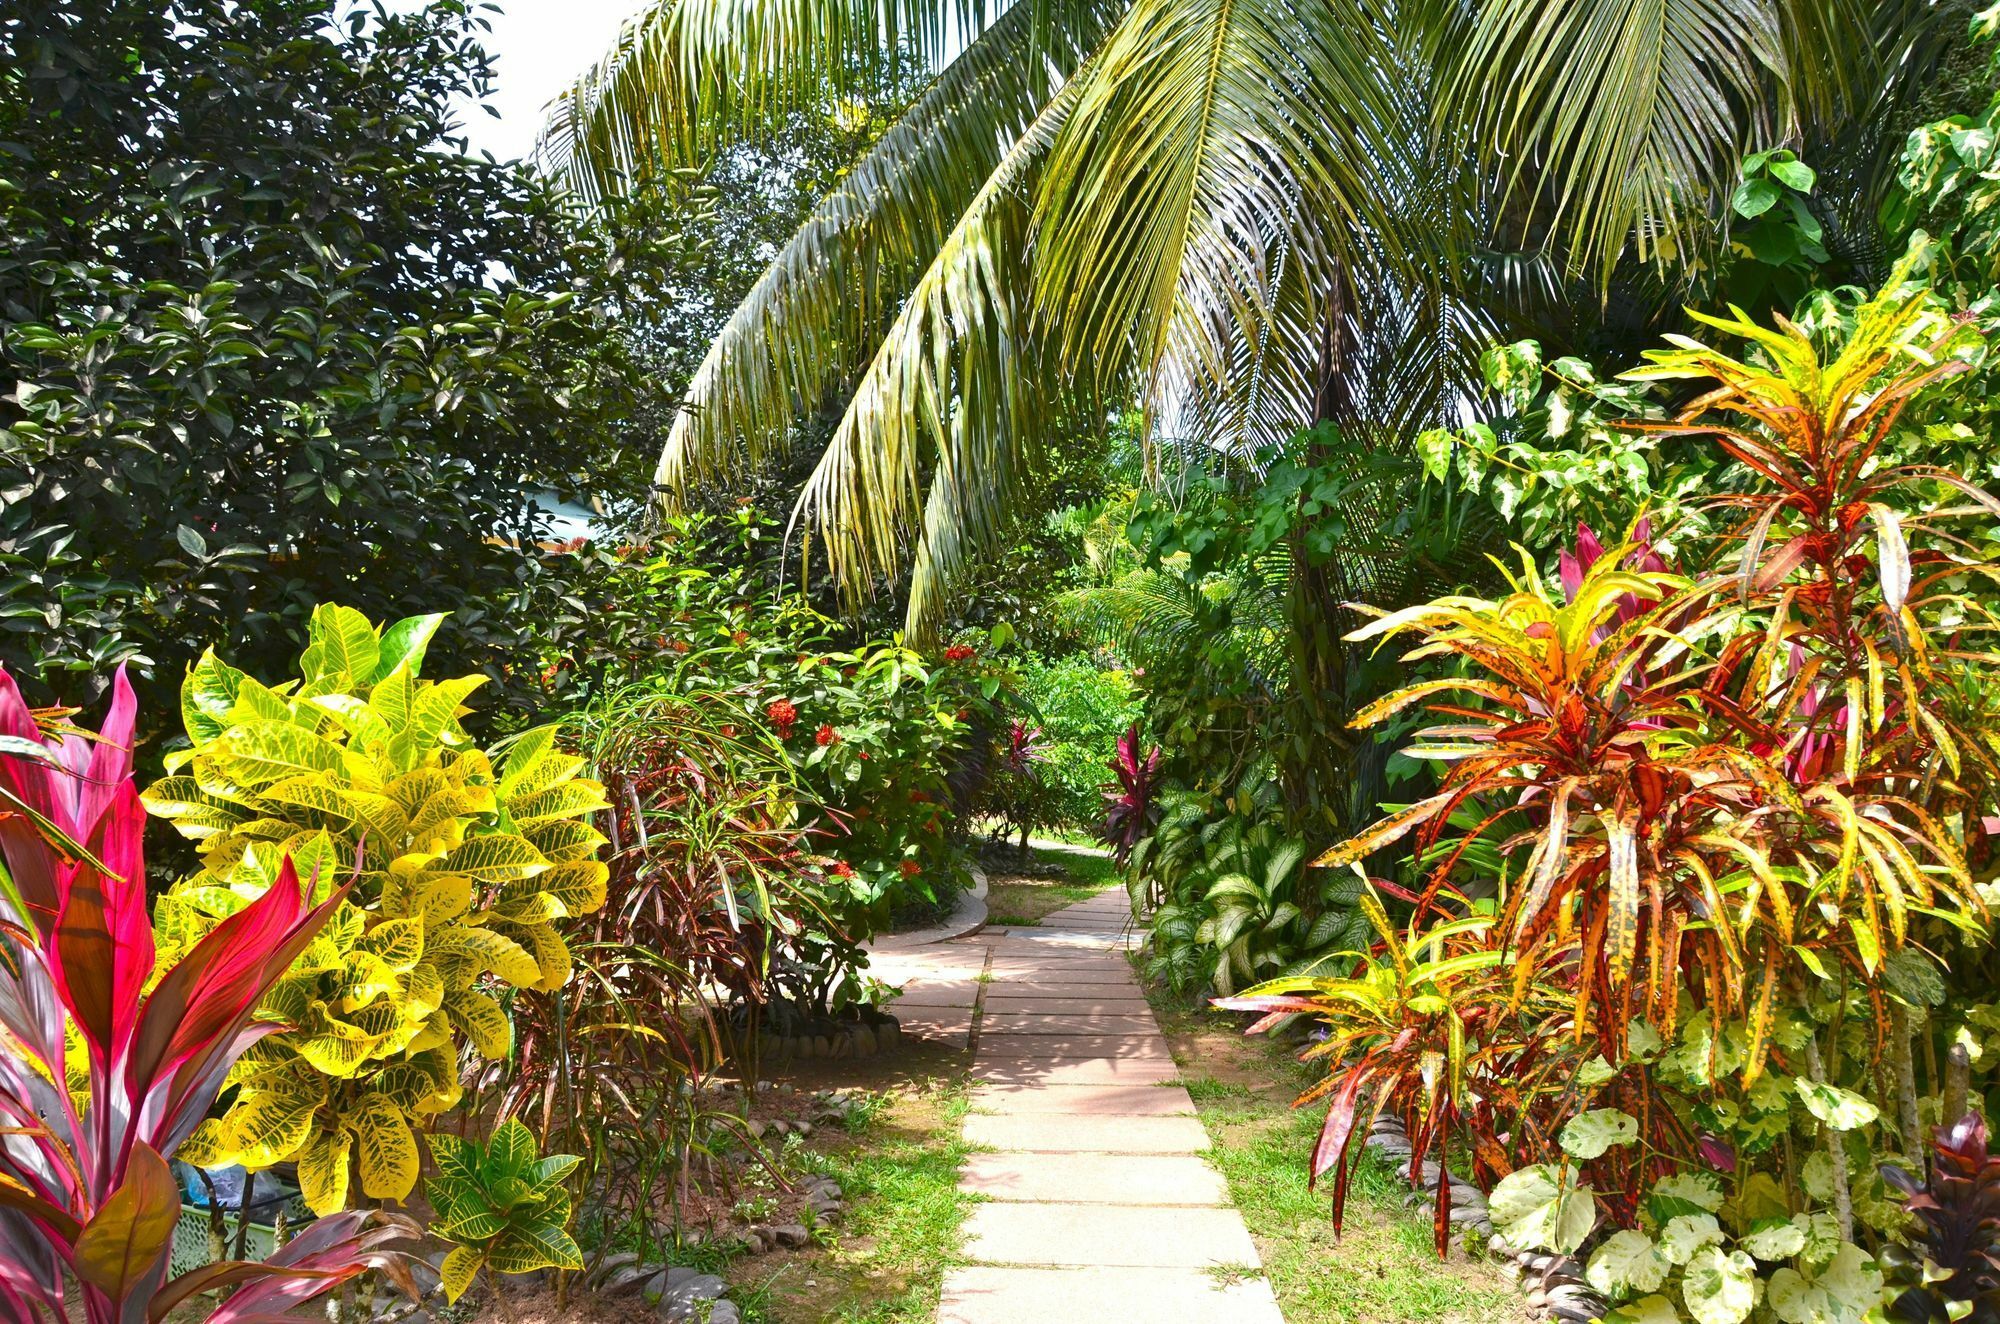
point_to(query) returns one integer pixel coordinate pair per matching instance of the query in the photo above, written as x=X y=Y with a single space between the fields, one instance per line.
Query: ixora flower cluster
x=1692 y=938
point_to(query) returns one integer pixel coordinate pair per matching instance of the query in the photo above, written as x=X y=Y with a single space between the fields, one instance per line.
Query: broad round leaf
x=1588 y=1135
x=1775 y=1239
x=1626 y=1265
x=1719 y=1287
x=1686 y=1234
x=1843 y=1293
x=1646 y=1310
x=1535 y=1209
x=1843 y=1110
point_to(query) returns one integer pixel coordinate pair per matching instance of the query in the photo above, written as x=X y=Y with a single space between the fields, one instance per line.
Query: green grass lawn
x=1382 y=1270
x=1025 y=893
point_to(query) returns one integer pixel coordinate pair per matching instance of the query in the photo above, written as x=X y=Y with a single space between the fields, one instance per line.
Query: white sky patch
x=539 y=47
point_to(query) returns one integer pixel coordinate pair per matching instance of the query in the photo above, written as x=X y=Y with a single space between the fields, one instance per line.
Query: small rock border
x=1554 y=1284
x=850 y=1039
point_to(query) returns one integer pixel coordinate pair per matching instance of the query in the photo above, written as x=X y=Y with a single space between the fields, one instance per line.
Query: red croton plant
x=107 y=1062
x=1709 y=791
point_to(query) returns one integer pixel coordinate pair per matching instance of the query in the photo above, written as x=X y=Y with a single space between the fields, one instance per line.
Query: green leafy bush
x=506 y=1208
x=275 y=341
x=461 y=864
x=1078 y=709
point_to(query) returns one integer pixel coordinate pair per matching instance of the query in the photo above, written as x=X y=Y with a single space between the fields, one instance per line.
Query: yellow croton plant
x=462 y=861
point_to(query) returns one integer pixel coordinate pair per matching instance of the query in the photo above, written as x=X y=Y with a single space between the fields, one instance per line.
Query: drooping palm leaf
x=814 y=316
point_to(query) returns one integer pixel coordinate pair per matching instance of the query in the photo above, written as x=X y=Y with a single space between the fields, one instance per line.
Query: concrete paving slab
x=1073 y=1070
x=1084 y=1100
x=981 y=1294
x=1146 y=1046
x=999 y=1021
x=1059 y=1133
x=1094 y=1003
x=1118 y=1179
x=1108 y=1235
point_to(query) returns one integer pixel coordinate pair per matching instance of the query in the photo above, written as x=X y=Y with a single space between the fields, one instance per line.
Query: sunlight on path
x=1098 y=1202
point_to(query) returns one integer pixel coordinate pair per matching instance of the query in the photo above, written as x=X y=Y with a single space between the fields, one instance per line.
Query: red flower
x=919 y=797
x=911 y=868
x=960 y=653
x=783 y=714
x=842 y=869
x=740 y=638
x=680 y=645
x=729 y=732
x=826 y=735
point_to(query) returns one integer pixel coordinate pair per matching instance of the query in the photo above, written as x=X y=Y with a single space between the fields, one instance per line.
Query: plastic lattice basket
x=191 y=1250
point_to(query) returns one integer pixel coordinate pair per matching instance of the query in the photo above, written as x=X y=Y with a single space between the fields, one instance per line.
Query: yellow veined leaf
x=566 y=839
x=1939 y=736
x=434 y=713
x=528 y=906
x=207 y=693
x=271 y=1123
x=570 y=799
x=530 y=1246
x=397 y=943
x=551 y=955
x=494 y=858
x=257 y=702
x=526 y=756
x=423 y=990
x=342 y=649
x=365 y=727
x=315 y=792
x=490 y=952
x=577 y=886
x=386 y=1148
x=206 y=1146
x=1550 y=854
x=323 y=1170
x=259 y=753
x=457 y=1272
x=1385 y=832
x=442 y=898
x=441 y=811
x=1621 y=922
x=412 y=789
x=483 y=1022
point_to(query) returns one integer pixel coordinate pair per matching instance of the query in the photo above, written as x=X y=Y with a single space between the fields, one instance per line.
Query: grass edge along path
x=1383 y=1268
x=903 y=1228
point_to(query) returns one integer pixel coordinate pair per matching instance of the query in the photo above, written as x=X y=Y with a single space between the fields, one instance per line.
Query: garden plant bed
x=1021 y=893
x=1381 y=1269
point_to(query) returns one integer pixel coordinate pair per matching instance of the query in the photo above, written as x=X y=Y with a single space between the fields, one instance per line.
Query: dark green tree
x=278 y=340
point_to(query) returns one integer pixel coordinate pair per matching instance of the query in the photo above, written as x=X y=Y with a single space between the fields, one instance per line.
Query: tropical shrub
x=874 y=734
x=1948 y=1266
x=1730 y=805
x=1076 y=710
x=506 y=1209
x=457 y=863
x=116 y=1050
x=712 y=926
x=1235 y=900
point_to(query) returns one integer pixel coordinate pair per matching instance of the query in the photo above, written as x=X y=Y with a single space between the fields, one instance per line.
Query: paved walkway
x=1098 y=1203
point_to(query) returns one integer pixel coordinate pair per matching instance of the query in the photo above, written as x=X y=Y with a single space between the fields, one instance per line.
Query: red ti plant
x=85 y=1191
x=1130 y=809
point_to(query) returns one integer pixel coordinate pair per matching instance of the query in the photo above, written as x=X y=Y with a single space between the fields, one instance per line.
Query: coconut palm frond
x=809 y=323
